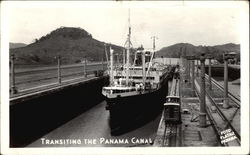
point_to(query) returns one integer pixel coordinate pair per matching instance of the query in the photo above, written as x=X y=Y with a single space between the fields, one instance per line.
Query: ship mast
x=143 y=66
x=152 y=56
x=128 y=48
x=111 y=66
x=154 y=37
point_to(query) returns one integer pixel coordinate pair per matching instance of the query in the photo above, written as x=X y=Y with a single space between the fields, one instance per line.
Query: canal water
x=91 y=129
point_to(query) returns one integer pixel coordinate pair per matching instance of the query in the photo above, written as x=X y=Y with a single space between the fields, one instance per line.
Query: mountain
x=75 y=44
x=185 y=49
x=16 y=45
x=72 y=44
x=229 y=47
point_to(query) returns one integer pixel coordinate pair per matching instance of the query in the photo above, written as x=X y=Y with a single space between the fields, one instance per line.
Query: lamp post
x=209 y=73
x=13 y=89
x=192 y=64
x=197 y=68
x=202 y=115
x=226 y=100
x=59 y=69
x=188 y=61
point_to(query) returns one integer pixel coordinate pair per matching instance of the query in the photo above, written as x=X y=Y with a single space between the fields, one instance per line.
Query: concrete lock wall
x=35 y=117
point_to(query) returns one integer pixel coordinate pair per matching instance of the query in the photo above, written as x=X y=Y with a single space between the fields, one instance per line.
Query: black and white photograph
x=124 y=77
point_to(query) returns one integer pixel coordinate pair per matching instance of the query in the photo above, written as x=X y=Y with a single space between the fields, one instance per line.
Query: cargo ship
x=136 y=90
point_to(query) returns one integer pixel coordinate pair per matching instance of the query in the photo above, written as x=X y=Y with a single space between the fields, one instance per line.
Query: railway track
x=26 y=71
x=54 y=77
x=175 y=86
x=28 y=78
x=233 y=97
x=170 y=135
x=227 y=121
x=221 y=120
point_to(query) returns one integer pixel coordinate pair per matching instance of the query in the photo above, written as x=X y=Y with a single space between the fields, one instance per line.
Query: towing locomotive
x=172 y=112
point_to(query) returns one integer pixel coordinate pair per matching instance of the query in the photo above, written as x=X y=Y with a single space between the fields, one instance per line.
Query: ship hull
x=125 y=111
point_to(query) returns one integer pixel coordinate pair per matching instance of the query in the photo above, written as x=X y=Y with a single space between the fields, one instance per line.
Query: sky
x=171 y=22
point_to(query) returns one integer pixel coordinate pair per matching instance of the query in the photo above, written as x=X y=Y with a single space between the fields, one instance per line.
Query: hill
x=72 y=44
x=184 y=49
x=16 y=45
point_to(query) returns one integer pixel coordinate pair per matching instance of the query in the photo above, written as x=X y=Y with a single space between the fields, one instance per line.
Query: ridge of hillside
x=72 y=44
x=186 y=49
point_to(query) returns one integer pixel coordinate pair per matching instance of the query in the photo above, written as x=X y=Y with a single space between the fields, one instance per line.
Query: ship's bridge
x=118 y=89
